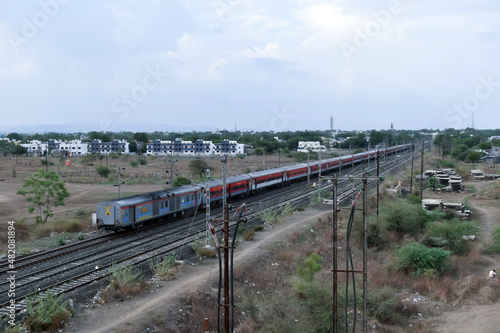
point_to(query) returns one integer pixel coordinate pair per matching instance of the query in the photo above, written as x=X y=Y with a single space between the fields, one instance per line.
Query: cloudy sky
x=250 y=64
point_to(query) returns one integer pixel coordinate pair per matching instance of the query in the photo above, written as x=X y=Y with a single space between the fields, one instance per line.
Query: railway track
x=159 y=244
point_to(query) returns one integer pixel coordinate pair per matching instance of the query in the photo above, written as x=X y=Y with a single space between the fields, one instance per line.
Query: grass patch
x=163 y=267
x=125 y=281
x=46 y=312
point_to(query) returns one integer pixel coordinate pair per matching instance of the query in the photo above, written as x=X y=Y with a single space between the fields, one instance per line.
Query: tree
x=140 y=136
x=474 y=157
x=44 y=189
x=197 y=164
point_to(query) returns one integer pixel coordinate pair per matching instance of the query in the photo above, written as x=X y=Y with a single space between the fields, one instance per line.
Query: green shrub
x=103 y=171
x=451 y=233
x=60 y=241
x=163 y=267
x=402 y=217
x=46 y=311
x=309 y=267
x=417 y=259
x=134 y=164
x=124 y=275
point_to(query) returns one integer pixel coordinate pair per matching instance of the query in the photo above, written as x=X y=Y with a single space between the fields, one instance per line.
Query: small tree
x=44 y=189
x=197 y=164
x=103 y=171
x=180 y=180
x=473 y=157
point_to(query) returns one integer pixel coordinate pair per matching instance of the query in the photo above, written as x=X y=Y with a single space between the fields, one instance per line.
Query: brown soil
x=120 y=317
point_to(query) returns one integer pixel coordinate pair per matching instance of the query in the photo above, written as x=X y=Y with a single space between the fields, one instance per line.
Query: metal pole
x=335 y=298
x=378 y=180
x=319 y=176
x=411 y=173
x=119 y=183
x=226 y=246
x=365 y=252
x=421 y=172
x=207 y=204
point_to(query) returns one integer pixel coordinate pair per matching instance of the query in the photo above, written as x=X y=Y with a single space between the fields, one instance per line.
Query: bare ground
x=120 y=317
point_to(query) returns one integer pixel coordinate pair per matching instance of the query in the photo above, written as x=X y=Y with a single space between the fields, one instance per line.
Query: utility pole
x=171 y=161
x=378 y=180
x=422 y=172
x=207 y=204
x=335 y=224
x=411 y=173
x=226 y=246
x=119 y=171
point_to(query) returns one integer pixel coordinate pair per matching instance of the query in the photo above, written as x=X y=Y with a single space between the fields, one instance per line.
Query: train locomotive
x=133 y=211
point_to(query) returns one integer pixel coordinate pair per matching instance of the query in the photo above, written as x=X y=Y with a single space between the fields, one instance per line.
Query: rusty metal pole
x=205 y=324
x=335 y=183
x=365 y=252
x=411 y=173
x=226 y=246
x=378 y=180
x=422 y=172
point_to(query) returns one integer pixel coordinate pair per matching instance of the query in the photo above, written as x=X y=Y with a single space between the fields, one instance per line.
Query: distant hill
x=88 y=127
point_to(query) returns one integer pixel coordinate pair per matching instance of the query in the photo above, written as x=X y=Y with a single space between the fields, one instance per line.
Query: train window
x=183 y=199
x=166 y=203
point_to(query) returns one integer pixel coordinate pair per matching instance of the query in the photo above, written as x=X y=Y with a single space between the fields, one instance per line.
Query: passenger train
x=133 y=211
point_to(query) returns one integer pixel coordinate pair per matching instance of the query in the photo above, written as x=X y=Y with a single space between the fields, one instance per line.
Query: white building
x=315 y=146
x=74 y=147
x=35 y=147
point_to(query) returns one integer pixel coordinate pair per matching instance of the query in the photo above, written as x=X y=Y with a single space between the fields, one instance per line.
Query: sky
x=282 y=65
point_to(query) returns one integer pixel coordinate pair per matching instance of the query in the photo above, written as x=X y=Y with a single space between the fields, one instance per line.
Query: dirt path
x=477 y=314
x=113 y=317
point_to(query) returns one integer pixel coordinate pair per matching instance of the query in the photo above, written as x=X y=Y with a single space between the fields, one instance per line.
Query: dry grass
x=442 y=288
x=474 y=257
x=120 y=292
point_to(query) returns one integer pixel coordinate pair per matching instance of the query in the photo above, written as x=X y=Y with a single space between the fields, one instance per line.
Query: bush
x=451 y=232
x=134 y=164
x=163 y=267
x=419 y=259
x=249 y=234
x=46 y=311
x=124 y=275
x=103 y=171
x=402 y=217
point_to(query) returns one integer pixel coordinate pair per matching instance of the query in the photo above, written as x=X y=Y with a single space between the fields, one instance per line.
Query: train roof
x=266 y=172
x=295 y=166
x=229 y=180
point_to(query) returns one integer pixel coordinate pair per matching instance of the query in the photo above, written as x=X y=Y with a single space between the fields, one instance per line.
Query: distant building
x=198 y=148
x=315 y=146
x=35 y=147
x=106 y=148
x=494 y=156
